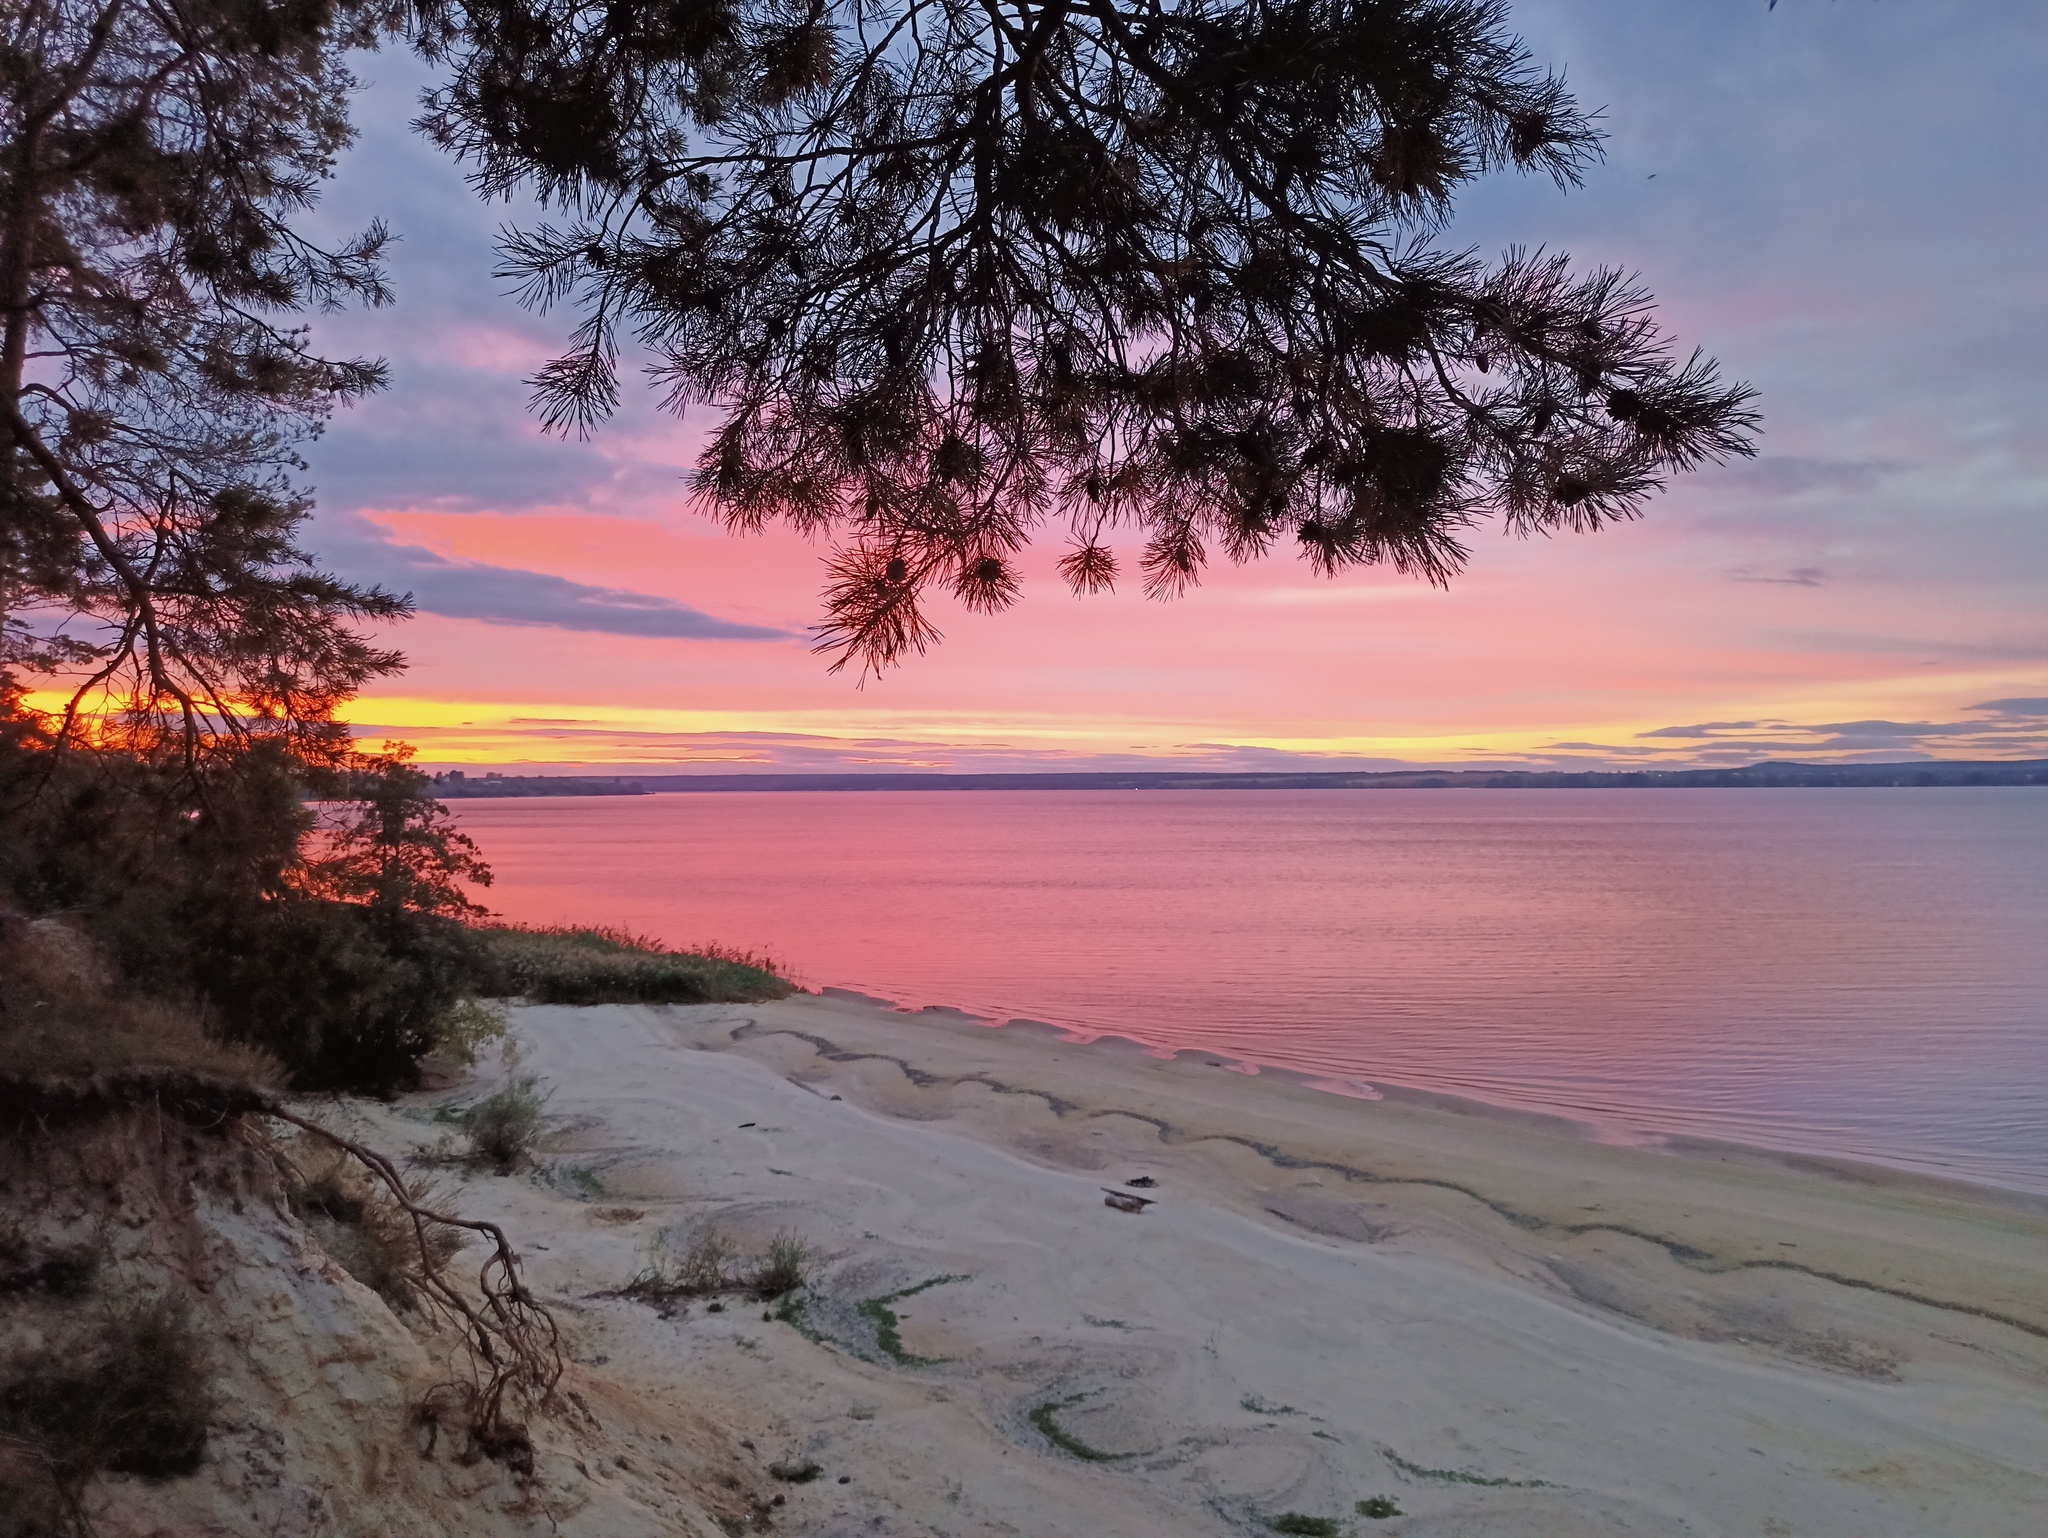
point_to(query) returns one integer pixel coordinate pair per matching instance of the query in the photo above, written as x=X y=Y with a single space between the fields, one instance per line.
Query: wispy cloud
x=508 y=595
x=564 y=745
x=1788 y=475
x=1798 y=576
x=1708 y=729
x=2014 y=728
x=2022 y=707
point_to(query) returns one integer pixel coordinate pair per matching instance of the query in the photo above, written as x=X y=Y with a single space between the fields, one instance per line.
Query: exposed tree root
x=512 y=1341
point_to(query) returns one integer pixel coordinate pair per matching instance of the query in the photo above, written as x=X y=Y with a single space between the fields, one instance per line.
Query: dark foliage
x=347 y=998
x=391 y=845
x=55 y=1271
x=151 y=386
x=69 y=1038
x=953 y=271
x=130 y=1395
x=192 y=879
x=1295 y=1522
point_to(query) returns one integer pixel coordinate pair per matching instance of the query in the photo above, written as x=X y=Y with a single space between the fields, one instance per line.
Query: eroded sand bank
x=1502 y=1327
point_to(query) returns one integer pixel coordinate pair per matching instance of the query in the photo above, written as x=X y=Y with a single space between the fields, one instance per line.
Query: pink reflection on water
x=1843 y=971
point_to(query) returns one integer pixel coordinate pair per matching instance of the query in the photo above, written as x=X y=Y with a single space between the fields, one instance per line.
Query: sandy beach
x=1488 y=1321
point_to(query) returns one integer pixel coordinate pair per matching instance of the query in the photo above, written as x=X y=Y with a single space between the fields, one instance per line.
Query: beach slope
x=1329 y=1307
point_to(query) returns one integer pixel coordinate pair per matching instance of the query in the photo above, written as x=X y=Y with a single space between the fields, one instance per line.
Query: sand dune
x=1500 y=1327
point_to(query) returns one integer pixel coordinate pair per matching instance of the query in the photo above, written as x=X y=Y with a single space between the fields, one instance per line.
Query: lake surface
x=1857 y=972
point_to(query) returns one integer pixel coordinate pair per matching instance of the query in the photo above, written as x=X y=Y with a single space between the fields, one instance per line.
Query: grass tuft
x=1306 y=1526
x=565 y=965
x=708 y=1268
x=783 y=1269
x=368 y=1234
x=504 y=1127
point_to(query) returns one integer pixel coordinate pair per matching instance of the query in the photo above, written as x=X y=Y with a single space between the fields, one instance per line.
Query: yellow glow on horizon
x=468 y=731
x=541 y=734
x=457 y=731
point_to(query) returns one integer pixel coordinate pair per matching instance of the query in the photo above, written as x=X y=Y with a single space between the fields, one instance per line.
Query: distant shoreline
x=1771 y=774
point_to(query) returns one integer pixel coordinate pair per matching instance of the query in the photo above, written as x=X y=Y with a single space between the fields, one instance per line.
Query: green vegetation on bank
x=502 y=1128
x=888 y=1325
x=1045 y=1418
x=568 y=965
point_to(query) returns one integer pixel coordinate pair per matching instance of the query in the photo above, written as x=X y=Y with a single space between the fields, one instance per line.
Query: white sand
x=1279 y=1333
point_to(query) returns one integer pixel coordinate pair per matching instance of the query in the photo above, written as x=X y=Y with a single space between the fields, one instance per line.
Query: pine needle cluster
x=1165 y=274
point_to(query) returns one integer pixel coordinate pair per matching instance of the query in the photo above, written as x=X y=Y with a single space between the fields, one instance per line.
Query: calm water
x=1859 y=971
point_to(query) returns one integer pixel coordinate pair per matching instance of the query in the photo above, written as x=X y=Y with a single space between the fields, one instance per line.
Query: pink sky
x=1870 y=588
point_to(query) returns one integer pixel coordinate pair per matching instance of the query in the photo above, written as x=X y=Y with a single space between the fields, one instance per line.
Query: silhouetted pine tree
x=956 y=269
x=152 y=385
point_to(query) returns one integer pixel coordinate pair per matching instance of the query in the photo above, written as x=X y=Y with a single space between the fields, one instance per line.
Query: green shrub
x=1379 y=1508
x=467 y=1028
x=503 y=1128
x=562 y=965
x=346 y=997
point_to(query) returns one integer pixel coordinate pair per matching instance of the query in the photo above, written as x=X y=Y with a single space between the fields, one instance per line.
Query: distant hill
x=1772 y=773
